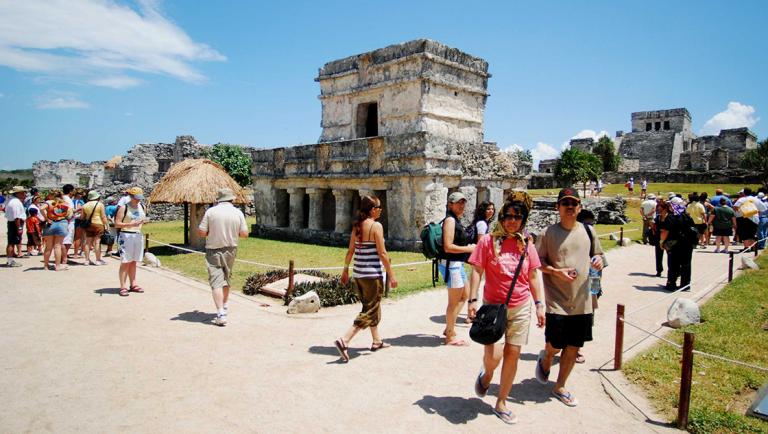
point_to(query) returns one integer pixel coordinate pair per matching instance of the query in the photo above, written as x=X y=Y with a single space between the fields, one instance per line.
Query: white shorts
x=131 y=247
x=457 y=277
x=70 y=232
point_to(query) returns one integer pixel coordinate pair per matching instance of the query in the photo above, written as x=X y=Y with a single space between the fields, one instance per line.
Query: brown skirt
x=369 y=291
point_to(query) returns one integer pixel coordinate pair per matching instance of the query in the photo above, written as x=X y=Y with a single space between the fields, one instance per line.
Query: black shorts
x=746 y=229
x=14 y=237
x=568 y=330
x=722 y=232
x=701 y=228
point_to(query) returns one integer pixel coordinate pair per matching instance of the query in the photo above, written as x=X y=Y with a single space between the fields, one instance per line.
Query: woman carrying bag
x=498 y=257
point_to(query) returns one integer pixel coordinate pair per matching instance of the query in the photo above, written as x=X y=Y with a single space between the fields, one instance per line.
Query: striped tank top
x=367 y=262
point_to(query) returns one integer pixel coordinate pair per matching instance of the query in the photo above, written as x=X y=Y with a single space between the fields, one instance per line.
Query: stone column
x=496 y=195
x=196 y=213
x=296 y=207
x=315 y=208
x=343 y=210
x=470 y=193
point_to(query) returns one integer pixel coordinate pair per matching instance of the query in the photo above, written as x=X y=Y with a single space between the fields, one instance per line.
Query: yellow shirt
x=697 y=212
x=97 y=213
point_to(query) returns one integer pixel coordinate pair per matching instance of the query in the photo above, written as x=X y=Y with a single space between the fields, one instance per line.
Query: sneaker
x=220 y=320
x=100 y=262
x=12 y=263
x=717 y=251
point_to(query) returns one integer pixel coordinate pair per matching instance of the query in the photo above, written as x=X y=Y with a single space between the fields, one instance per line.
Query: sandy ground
x=77 y=357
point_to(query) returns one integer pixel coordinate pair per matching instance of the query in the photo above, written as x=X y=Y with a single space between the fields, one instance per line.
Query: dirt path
x=77 y=357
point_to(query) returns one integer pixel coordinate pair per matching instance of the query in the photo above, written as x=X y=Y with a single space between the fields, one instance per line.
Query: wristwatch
x=472 y=300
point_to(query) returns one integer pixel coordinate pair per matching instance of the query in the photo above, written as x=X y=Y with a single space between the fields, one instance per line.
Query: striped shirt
x=367 y=262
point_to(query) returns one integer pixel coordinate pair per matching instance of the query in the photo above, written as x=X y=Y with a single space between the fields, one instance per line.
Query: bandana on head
x=499 y=233
x=677 y=209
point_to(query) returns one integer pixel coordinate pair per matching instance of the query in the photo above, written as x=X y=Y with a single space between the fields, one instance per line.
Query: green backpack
x=432 y=240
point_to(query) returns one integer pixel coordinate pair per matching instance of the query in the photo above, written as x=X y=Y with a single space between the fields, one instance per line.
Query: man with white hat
x=15 y=214
x=221 y=225
x=648 y=212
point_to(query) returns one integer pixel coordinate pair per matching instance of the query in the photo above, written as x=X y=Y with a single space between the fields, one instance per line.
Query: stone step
x=278 y=288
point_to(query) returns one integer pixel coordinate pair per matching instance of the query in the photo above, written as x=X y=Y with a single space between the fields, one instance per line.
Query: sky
x=88 y=79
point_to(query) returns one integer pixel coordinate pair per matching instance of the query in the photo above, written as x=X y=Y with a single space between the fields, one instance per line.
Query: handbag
x=107 y=238
x=490 y=322
x=86 y=223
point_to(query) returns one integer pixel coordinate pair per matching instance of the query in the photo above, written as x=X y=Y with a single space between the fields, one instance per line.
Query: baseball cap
x=568 y=192
x=651 y=196
x=133 y=191
x=456 y=196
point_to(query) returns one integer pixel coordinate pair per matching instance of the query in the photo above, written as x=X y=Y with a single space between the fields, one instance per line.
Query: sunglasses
x=568 y=202
x=378 y=207
x=512 y=217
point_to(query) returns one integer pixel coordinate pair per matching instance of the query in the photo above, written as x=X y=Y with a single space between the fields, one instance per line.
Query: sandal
x=566 y=398
x=376 y=346
x=124 y=292
x=450 y=339
x=506 y=416
x=542 y=376
x=481 y=390
x=136 y=288
x=580 y=358
x=342 y=348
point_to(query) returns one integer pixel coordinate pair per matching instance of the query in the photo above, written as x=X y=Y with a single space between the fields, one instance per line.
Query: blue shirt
x=111 y=210
x=716 y=201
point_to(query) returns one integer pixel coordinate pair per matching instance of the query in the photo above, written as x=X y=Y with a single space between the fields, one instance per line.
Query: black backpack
x=688 y=233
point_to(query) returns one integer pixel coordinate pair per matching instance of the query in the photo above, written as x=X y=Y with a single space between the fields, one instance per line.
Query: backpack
x=432 y=240
x=748 y=208
x=688 y=232
x=471 y=232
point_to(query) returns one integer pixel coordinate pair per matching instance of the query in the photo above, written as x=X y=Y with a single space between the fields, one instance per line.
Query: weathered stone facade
x=404 y=123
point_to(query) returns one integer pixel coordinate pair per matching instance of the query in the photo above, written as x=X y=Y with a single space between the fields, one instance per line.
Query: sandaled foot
x=506 y=416
x=342 y=348
x=376 y=346
x=124 y=292
x=481 y=390
x=456 y=342
x=580 y=358
x=566 y=398
x=136 y=288
x=542 y=376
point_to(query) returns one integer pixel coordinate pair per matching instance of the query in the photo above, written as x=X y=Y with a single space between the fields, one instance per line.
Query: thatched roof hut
x=195 y=181
x=113 y=162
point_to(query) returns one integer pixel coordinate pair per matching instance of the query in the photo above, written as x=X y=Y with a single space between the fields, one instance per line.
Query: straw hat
x=93 y=195
x=18 y=189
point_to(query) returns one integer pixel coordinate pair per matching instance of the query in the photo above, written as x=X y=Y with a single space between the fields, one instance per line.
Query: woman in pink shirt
x=497 y=257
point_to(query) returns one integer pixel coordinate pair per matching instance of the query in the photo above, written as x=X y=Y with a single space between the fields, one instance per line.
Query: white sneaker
x=220 y=320
x=12 y=263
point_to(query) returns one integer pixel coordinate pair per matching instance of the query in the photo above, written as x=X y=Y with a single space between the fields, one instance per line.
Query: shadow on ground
x=196 y=316
x=454 y=409
x=416 y=340
x=530 y=390
x=332 y=351
x=440 y=319
x=654 y=288
x=643 y=274
x=108 y=291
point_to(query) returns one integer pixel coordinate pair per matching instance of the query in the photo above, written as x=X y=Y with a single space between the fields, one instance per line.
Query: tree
x=606 y=151
x=524 y=155
x=234 y=160
x=577 y=166
x=757 y=159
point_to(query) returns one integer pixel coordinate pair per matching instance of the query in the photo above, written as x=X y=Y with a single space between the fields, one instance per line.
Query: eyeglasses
x=378 y=207
x=512 y=217
x=568 y=202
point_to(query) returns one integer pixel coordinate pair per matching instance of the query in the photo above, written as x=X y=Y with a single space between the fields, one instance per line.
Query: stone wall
x=731 y=176
x=678 y=119
x=653 y=150
x=50 y=174
x=585 y=145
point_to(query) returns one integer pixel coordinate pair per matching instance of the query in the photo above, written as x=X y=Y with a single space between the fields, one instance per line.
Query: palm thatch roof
x=113 y=162
x=195 y=181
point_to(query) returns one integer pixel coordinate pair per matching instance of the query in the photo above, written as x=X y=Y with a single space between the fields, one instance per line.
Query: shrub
x=331 y=291
x=256 y=281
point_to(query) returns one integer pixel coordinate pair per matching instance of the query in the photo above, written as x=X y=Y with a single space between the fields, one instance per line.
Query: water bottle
x=594 y=280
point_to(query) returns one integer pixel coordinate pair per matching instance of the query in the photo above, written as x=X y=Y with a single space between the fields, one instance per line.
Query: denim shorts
x=457 y=276
x=57 y=229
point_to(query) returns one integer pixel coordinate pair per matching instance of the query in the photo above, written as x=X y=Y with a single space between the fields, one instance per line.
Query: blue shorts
x=58 y=229
x=457 y=276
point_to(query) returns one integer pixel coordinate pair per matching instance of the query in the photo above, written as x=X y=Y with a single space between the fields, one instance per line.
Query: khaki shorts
x=219 y=263
x=518 y=324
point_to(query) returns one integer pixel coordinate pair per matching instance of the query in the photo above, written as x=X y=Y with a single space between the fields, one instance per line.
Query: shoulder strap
x=92 y=211
x=517 y=272
x=591 y=241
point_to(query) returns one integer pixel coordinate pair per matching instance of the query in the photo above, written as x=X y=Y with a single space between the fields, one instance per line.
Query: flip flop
x=456 y=343
x=136 y=288
x=580 y=358
x=342 y=348
x=506 y=416
x=376 y=346
x=481 y=390
x=566 y=398
x=542 y=376
x=124 y=292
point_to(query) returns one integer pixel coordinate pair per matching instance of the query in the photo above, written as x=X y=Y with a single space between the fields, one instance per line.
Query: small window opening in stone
x=648 y=126
x=666 y=125
x=657 y=126
x=455 y=93
x=367 y=120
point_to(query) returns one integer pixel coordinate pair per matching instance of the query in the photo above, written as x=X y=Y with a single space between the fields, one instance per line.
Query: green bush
x=707 y=421
x=331 y=291
x=256 y=281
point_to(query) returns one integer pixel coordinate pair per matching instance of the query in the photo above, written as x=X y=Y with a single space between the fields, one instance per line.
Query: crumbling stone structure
x=404 y=123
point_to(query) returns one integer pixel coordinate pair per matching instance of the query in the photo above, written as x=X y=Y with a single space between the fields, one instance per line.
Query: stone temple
x=404 y=123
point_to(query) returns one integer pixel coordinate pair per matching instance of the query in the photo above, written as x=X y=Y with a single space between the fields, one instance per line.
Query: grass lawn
x=410 y=279
x=721 y=391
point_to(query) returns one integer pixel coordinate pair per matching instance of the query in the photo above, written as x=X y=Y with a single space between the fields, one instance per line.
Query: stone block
x=683 y=312
x=748 y=263
x=625 y=242
x=151 y=260
x=307 y=303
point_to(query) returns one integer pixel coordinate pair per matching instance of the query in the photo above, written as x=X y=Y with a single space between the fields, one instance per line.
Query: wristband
x=538 y=303
x=472 y=300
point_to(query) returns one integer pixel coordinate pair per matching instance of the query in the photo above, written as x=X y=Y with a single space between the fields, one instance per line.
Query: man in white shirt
x=648 y=212
x=746 y=225
x=15 y=214
x=222 y=225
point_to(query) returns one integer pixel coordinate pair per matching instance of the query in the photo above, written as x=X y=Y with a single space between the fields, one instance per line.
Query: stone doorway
x=282 y=206
x=367 y=124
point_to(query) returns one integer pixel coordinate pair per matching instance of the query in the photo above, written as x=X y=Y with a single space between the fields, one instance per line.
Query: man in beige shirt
x=221 y=225
x=564 y=250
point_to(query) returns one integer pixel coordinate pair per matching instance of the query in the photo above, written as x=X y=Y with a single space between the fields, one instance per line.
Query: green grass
x=410 y=279
x=721 y=391
x=657 y=188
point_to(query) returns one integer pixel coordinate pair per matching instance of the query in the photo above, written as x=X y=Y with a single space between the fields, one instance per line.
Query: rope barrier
x=617 y=232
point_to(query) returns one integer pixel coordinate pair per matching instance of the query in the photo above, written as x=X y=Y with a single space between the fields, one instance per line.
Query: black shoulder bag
x=86 y=223
x=490 y=322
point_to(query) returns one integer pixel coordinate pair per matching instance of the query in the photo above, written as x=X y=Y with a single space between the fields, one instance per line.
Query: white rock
x=151 y=259
x=307 y=303
x=683 y=312
x=626 y=242
x=613 y=237
x=747 y=262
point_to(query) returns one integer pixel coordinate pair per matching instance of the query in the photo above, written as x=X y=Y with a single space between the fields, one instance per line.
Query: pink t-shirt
x=500 y=271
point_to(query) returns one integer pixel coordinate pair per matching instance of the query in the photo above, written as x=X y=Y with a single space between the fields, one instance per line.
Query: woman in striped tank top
x=367 y=245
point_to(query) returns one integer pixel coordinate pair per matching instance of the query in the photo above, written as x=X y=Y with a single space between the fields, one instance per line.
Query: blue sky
x=88 y=79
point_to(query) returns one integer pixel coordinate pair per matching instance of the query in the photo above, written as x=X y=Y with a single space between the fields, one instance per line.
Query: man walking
x=648 y=212
x=15 y=214
x=221 y=225
x=564 y=249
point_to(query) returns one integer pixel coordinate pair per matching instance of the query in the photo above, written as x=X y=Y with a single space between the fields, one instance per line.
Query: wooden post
x=621 y=234
x=754 y=246
x=730 y=266
x=146 y=243
x=289 y=291
x=685 y=382
x=619 y=345
x=186 y=223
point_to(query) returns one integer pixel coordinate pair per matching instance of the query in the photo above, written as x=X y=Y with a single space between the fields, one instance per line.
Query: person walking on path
x=564 y=251
x=723 y=221
x=366 y=245
x=221 y=226
x=96 y=224
x=698 y=214
x=655 y=235
x=496 y=257
x=58 y=213
x=69 y=237
x=457 y=249
x=674 y=238
x=129 y=220
x=748 y=209
x=643 y=188
x=762 y=228
x=481 y=226
x=16 y=216
x=648 y=213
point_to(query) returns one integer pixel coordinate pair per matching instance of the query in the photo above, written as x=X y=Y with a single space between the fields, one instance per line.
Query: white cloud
x=513 y=147
x=544 y=151
x=737 y=115
x=98 y=42
x=61 y=100
x=586 y=134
